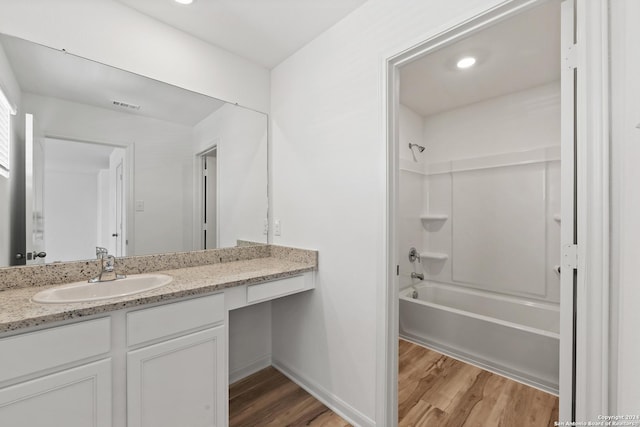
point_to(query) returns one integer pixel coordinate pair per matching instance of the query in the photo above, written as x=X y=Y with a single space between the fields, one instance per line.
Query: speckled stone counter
x=193 y=273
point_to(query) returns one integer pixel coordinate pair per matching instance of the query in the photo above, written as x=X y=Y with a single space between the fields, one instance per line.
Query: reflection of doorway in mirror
x=34 y=193
x=118 y=232
x=208 y=161
x=84 y=198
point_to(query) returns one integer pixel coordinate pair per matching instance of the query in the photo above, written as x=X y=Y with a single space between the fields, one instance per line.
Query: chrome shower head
x=419 y=147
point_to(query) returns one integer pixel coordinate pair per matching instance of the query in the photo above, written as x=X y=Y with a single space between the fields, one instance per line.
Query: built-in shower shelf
x=434 y=217
x=436 y=256
x=557 y=218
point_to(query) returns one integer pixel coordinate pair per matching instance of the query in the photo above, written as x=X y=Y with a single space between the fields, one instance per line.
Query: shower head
x=419 y=147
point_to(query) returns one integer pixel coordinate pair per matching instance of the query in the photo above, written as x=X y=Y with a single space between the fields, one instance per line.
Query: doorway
x=85 y=198
x=576 y=160
x=207 y=200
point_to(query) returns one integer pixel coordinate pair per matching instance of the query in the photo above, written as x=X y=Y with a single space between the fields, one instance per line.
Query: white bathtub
x=513 y=337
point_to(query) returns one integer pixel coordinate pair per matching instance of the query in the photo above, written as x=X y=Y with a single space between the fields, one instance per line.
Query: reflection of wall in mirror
x=241 y=136
x=5 y=215
x=162 y=160
x=9 y=86
x=71 y=220
x=4 y=220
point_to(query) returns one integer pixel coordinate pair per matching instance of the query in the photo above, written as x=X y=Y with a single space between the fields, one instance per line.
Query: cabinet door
x=180 y=382
x=78 y=397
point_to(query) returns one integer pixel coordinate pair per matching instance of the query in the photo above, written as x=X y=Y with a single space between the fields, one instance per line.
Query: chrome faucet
x=415 y=275
x=107 y=267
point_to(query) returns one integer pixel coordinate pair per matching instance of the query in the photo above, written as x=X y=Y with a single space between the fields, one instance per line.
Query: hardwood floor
x=436 y=390
x=268 y=398
x=433 y=390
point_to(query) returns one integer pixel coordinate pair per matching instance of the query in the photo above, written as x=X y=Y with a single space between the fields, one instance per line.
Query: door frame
x=592 y=202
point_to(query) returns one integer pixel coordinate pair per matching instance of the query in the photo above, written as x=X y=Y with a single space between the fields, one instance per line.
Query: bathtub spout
x=415 y=275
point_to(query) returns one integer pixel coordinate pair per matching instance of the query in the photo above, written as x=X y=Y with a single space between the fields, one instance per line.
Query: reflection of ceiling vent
x=126 y=105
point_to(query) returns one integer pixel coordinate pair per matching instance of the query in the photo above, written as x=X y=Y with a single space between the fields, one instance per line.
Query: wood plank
x=441 y=391
x=433 y=390
x=268 y=398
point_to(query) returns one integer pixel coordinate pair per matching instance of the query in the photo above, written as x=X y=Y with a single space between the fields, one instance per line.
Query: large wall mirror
x=103 y=157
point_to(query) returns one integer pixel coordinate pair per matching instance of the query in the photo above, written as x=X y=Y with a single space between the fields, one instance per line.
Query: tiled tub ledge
x=194 y=273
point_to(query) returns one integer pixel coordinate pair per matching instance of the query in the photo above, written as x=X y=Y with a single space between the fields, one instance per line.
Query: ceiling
x=513 y=55
x=263 y=31
x=49 y=72
x=62 y=155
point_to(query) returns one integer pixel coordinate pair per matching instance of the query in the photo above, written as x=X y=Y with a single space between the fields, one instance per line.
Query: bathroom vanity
x=157 y=358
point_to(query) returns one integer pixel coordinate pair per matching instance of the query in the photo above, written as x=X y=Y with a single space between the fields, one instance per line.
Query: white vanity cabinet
x=51 y=378
x=180 y=381
x=163 y=365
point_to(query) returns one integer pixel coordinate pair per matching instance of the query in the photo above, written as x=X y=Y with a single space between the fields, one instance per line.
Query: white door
x=118 y=233
x=568 y=233
x=77 y=397
x=34 y=195
x=180 y=382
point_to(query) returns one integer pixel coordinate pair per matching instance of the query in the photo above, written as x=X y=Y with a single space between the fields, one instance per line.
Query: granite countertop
x=17 y=311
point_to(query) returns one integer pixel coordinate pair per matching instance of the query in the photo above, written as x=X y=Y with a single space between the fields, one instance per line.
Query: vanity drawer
x=37 y=351
x=170 y=319
x=275 y=289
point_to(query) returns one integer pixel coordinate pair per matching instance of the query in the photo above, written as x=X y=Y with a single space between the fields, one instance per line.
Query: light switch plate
x=277 y=227
x=139 y=205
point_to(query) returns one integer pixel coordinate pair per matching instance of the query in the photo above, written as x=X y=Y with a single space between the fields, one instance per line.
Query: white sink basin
x=85 y=291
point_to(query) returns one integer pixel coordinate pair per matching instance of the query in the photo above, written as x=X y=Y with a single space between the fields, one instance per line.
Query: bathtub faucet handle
x=414 y=255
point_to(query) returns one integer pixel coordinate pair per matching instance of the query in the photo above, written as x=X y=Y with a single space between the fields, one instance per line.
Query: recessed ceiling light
x=184 y=1
x=466 y=62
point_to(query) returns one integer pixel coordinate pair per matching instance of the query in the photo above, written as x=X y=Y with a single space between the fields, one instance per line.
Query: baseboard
x=251 y=368
x=337 y=405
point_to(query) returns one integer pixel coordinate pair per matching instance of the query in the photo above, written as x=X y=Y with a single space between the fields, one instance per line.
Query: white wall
x=5 y=221
x=163 y=165
x=625 y=214
x=249 y=340
x=328 y=167
x=109 y=32
x=412 y=187
x=516 y=122
x=71 y=213
x=411 y=131
x=241 y=137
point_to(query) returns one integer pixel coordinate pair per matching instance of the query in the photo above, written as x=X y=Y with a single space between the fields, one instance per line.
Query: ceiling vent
x=126 y=105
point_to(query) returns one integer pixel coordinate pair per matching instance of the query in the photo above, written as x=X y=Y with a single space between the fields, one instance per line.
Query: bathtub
x=512 y=337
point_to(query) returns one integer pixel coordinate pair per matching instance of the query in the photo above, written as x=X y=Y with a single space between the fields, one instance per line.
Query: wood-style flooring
x=433 y=390
x=436 y=390
x=268 y=398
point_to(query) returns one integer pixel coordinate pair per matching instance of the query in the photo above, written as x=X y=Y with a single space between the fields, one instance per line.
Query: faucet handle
x=109 y=263
x=101 y=252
